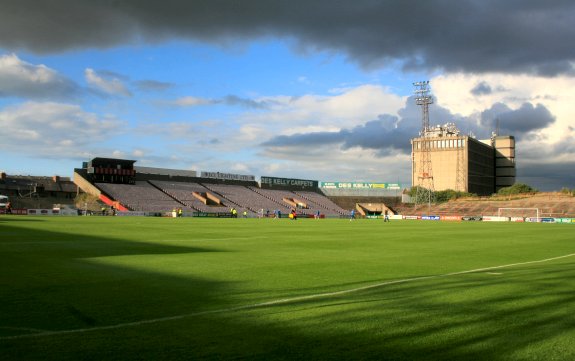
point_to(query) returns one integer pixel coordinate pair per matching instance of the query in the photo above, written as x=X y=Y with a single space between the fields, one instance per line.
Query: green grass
x=96 y=288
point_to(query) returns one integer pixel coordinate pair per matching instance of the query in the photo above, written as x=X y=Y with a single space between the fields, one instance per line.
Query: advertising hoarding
x=289 y=182
x=228 y=176
x=359 y=185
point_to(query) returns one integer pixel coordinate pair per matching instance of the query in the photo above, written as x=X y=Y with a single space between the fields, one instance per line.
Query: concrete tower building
x=463 y=163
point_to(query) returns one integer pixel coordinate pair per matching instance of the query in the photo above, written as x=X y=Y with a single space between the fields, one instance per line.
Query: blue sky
x=311 y=90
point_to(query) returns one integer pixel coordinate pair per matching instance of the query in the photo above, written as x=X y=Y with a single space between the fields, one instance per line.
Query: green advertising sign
x=359 y=185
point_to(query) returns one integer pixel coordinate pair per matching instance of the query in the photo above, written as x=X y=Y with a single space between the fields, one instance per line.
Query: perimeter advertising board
x=450 y=218
x=359 y=185
x=288 y=182
x=228 y=176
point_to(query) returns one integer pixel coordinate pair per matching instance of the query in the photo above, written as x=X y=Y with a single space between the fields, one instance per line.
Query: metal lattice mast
x=425 y=189
x=461 y=178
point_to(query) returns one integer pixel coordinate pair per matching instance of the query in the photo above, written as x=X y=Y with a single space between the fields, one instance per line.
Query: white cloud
x=53 y=129
x=541 y=155
x=139 y=153
x=303 y=80
x=556 y=94
x=24 y=80
x=106 y=83
x=325 y=163
x=353 y=106
x=237 y=147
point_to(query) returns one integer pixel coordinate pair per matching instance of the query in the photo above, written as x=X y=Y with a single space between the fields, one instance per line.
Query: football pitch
x=95 y=288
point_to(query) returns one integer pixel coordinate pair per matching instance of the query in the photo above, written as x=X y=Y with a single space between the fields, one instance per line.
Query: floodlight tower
x=425 y=189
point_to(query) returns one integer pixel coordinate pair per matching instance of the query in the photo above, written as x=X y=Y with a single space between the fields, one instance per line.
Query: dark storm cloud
x=516 y=36
x=384 y=134
x=547 y=176
x=481 y=89
x=520 y=121
x=391 y=133
x=307 y=140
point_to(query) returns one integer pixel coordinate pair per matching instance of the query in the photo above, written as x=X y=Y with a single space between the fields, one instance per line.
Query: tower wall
x=505 y=172
x=478 y=163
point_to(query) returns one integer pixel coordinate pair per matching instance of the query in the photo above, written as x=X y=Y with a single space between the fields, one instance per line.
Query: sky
x=314 y=89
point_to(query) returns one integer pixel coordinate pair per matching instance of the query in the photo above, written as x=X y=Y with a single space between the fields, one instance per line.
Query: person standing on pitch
x=386 y=217
x=352 y=215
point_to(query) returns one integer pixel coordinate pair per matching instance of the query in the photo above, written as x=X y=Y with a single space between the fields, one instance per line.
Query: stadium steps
x=171 y=196
x=325 y=205
x=239 y=207
x=281 y=203
x=549 y=205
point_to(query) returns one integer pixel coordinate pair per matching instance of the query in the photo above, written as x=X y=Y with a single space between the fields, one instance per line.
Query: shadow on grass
x=522 y=313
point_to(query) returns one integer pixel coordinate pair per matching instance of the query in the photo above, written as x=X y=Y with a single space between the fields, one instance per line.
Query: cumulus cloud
x=386 y=140
x=315 y=113
x=526 y=119
x=472 y=36
x=24 y=80
x=51 y=128
x=106 y=82
x=389 y=133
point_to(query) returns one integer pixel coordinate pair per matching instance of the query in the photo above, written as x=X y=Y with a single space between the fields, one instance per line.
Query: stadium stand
x=37 y=191
x=116 y=182
x=304 y=202
x=196 y=196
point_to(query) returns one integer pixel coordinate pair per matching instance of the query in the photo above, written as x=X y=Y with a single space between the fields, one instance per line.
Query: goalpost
x=519 y=212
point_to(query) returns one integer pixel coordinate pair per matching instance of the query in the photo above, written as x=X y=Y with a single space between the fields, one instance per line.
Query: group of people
x=177 y=212
x=234 y=213
x=110 y=212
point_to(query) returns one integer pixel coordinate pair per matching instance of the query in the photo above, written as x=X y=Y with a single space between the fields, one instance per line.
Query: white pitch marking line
x=23 y=329
x=494 y=273
x=274 y=302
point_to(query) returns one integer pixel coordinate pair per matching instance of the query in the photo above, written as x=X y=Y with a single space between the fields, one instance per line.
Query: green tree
x=442 y=196
x=87 y=201
x=517 y=188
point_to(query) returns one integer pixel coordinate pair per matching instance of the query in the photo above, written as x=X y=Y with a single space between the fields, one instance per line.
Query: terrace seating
x=321 y=202
x=246 y=199
x=141 y=196
x=286 y=199
x=184 y=193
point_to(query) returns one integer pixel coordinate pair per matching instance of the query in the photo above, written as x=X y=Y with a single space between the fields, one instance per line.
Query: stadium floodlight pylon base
x=424 y=196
